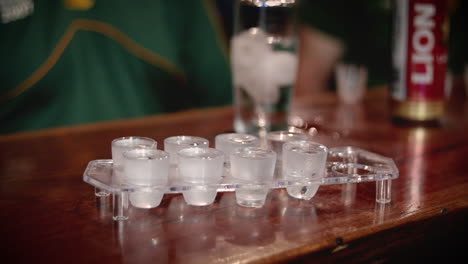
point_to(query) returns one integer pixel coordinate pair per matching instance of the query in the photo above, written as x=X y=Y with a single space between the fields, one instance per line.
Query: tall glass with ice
x=264 y=64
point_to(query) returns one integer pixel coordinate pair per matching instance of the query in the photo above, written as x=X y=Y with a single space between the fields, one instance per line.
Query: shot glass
x=253 y=167
x=276 y=139
x=351 y=82
x=229 y=142
x=203 y=169
x=120 y=145
x=177 y=143
x=146 y=168
x=304 y=161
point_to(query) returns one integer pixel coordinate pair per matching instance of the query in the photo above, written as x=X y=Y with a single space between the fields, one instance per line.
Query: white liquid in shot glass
x=202 y=168
x=254 y=168
x=175 y=144
x=150 y=168
x=303 y=161
x=229 y=142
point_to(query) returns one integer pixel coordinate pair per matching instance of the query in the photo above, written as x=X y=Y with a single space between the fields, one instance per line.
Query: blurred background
x=67 y=62
x=358 y=32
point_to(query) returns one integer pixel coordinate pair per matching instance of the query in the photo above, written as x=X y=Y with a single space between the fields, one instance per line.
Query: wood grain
x=48 y=214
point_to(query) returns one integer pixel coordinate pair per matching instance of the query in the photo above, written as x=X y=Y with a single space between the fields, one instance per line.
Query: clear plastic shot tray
x=343 y=165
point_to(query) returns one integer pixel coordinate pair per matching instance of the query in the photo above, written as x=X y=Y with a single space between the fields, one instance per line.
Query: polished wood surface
x=48 y=214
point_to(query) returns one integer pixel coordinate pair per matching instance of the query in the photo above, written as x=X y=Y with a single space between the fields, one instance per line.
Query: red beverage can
x=420 y=54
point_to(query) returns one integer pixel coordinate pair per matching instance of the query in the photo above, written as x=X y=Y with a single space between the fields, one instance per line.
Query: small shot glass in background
x=254 y=168
x=229 y=142
x=351 y=82
x=304 y=161
x=203 y=169
x=146 y=167
x=176 y=143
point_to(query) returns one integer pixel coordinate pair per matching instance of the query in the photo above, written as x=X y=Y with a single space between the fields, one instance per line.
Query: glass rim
x=180 y=140
x=230 y=136
x=301 y=143
x=139 y=154
x=270 y=135
x=212 y=153
x=267 y=153
x=147 y=139
x=261 y=3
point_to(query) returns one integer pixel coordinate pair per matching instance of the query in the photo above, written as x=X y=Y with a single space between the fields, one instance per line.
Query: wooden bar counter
x=49 y=215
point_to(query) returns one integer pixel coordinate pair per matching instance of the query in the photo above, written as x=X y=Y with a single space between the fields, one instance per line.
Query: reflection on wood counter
x=50 y=215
